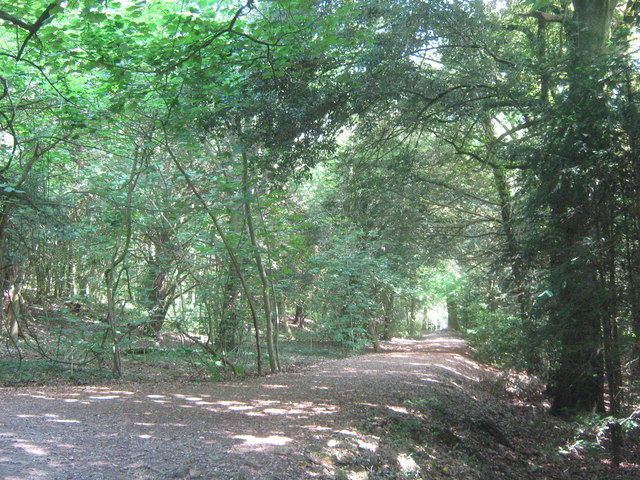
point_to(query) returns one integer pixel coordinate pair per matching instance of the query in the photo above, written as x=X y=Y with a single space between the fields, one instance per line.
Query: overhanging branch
x=32 y=28
x=544 y=16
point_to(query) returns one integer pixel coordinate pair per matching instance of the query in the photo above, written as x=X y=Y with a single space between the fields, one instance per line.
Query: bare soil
x=420 y=409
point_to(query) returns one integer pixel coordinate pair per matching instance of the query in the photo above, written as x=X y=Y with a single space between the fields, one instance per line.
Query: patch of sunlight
x=32 y=449
x=241 y=408
x=71 y=400
x=466 y=360
x=61 y=420
x=104 y=397
x=252 y=440
x=403 y=341
x=41 y=397
x=358 y=476
x=407 y=464
x=282 y=411
x=274 y=386
x=333 y=443
x=397 y=409
x=24 y=415
x=457 y=372
x=156 y=396
x=351 y=433
x=325 y=409
x=145 y=436
x=371 y=446
x=193 y=399
x=317 y=428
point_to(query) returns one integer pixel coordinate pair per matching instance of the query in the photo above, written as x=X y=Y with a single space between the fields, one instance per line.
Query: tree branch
x=16 y=21
x=228 y=29
x=33 y=29
x=544 y=17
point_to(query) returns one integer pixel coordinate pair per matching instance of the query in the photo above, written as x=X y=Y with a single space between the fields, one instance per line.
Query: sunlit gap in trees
x=429 y=55
x=497 y=5
x=437 y=315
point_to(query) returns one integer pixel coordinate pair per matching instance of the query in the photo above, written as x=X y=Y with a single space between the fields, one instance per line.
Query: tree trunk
x=230 y=251
x=387 y=319
x=227 y=330
x=425 y=319
x=579 y=296
x=372 y=330
x=266 y=297
x=298 y=318
x=12 y=311
x=452 y=314
x=159 y=284
x=632 y=210
x=116 y=364
x=411 y=318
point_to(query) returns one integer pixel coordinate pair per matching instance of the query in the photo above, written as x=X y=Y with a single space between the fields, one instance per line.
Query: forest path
x=263 y=428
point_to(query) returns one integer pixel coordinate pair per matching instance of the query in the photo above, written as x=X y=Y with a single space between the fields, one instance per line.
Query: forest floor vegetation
x=421 y=409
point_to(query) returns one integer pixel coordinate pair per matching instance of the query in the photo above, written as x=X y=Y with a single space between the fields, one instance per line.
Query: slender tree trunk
x=228 y=248
x=610 y=335
x=116 y=363
x=298 y=317
x=632 y=210
x=266 y=298
x=120 y=251
x=517 y=278
x=388 y=298
x=411 y=318
x=452 y=314
x=425 y=319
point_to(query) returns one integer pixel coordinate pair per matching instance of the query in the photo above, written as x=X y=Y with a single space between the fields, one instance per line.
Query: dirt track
x=262 y=428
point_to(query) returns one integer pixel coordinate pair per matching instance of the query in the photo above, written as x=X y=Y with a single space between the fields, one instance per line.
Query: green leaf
x=535 y=5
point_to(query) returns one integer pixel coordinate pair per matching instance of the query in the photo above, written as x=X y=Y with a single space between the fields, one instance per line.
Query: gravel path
x=263 y=428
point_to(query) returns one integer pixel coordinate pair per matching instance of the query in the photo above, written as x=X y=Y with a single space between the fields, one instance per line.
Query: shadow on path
x=255 y=429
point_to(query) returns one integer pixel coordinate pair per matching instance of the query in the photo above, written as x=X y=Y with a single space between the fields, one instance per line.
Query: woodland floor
x=421 y=410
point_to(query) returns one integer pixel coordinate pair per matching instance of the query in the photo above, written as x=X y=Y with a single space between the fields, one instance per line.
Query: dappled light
x=30 y=448
x=154 y=416
x=242 y=238
x=252 y=440
x=332 y=417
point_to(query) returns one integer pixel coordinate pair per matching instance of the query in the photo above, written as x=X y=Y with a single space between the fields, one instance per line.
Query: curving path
x=261 y=428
